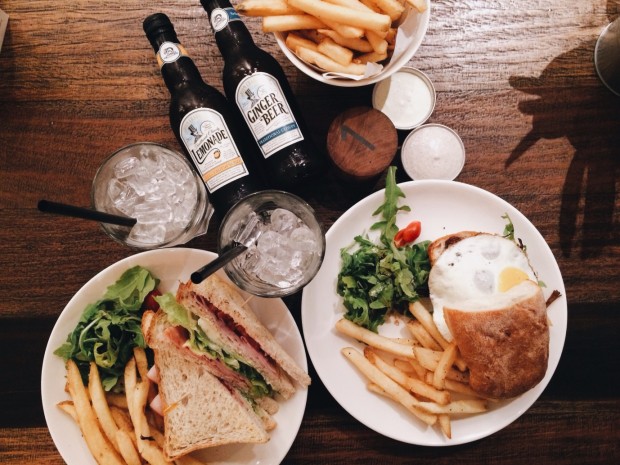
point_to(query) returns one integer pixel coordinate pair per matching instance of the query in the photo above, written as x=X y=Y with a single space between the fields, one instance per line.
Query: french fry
x=362 y=19
x=293 y=41
x=100 y=405
x=412 y=384
x=328 y=64
x=360 y=45
x=393 y=389
x=141 y=363
x=419 y=369
x=345 y=30
x=116 y=399
x=338 y=53
x=425 y=318
x=271 y=406
x=419 y=5
x=430 y=358
x=127 y=447
x=353 y=4
x=419 y=332
x=405 y=367
x=68 y=407
x=457 y=407
x=136 y=393
x=378 y=43
x=393 y=8
x=291 y=23
x=103 y=452
x=445 y=425
x=122 y=419
x=266 y=8
x=390 y=37
x=460 y=388
x=445 y=362
x=375 y=340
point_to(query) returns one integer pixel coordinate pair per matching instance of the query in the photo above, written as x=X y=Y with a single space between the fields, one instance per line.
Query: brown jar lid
x=362 y=143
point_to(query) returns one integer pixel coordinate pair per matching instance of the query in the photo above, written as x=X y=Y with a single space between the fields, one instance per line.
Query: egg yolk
x=509 y=277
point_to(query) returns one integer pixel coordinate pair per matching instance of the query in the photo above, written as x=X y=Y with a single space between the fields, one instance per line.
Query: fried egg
x=473 y=272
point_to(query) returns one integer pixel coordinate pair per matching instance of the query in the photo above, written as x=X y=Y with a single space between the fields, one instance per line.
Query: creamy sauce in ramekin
x=433 y=151
x=407 y=98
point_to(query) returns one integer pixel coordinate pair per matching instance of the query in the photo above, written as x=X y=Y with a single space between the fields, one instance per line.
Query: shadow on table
x=579 y=107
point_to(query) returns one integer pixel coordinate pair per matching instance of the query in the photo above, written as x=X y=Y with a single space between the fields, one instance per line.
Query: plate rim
x=70 y=313
x=560 y=338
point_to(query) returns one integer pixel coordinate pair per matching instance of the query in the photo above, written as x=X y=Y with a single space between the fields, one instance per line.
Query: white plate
x=443 y=207
x=170 y=266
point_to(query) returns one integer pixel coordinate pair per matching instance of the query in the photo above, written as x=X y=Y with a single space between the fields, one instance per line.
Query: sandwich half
x=212 y=323
x=200 y=411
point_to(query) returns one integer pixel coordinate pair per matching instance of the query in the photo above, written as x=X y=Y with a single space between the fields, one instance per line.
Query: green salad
x=376 y=278
x=109 y=329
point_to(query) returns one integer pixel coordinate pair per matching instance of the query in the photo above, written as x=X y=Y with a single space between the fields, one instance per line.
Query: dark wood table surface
x=515 y=79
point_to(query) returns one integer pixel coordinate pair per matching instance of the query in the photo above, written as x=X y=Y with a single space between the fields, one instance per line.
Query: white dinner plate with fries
x=170 y=266
x=443 y=207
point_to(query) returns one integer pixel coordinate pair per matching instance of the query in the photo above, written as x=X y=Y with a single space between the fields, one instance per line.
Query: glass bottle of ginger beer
x=207 y=126
x=255 y=81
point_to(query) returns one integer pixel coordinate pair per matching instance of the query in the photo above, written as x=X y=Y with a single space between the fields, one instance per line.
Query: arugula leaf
x=389 y=208
x=109 y=329
x=377 y=278
x=509 y=229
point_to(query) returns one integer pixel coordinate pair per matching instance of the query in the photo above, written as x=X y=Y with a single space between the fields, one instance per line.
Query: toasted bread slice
x=219 y=305
x=505 y=343
x=200 y=411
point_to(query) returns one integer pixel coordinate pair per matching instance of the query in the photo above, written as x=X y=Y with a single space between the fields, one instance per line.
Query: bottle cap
x=433 y=151
x=155 y=23
x=407 y=97
x=361 y=143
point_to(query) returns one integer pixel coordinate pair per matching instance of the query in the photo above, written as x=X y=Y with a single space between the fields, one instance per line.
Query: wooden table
x=516 y=80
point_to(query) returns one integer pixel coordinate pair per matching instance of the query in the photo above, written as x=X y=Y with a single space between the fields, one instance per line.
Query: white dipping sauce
x=433 y=151
x=407 y=98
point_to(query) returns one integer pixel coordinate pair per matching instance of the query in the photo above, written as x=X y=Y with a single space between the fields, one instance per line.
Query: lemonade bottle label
x=208 y=141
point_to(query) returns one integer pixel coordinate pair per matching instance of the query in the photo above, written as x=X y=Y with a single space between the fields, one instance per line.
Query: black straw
x=48 y=206
x=203 y=273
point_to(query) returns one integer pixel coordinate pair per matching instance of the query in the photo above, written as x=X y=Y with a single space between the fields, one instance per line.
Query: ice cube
x=283 y=220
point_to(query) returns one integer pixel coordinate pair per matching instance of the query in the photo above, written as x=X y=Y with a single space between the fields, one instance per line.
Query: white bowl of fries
x=346 y=43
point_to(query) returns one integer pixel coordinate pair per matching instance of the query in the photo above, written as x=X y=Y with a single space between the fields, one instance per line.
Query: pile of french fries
x=338 y=36
x=423 y=373
x=118 y=429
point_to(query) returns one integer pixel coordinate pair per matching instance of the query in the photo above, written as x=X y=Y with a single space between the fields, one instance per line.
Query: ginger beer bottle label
x=208 y=141
x=267 y=113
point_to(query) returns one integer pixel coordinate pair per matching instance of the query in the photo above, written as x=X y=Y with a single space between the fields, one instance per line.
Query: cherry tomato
x=408 y=234
x=149 y=301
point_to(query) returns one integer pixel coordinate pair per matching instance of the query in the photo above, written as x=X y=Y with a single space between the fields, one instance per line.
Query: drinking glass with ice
x=285 y=243
x=158 y=187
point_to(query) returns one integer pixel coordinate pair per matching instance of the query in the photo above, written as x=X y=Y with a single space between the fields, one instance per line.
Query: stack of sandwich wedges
x=221 y=371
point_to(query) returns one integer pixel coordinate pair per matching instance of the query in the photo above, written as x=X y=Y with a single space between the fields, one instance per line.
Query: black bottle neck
x=177 y=68
x=234 y=35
